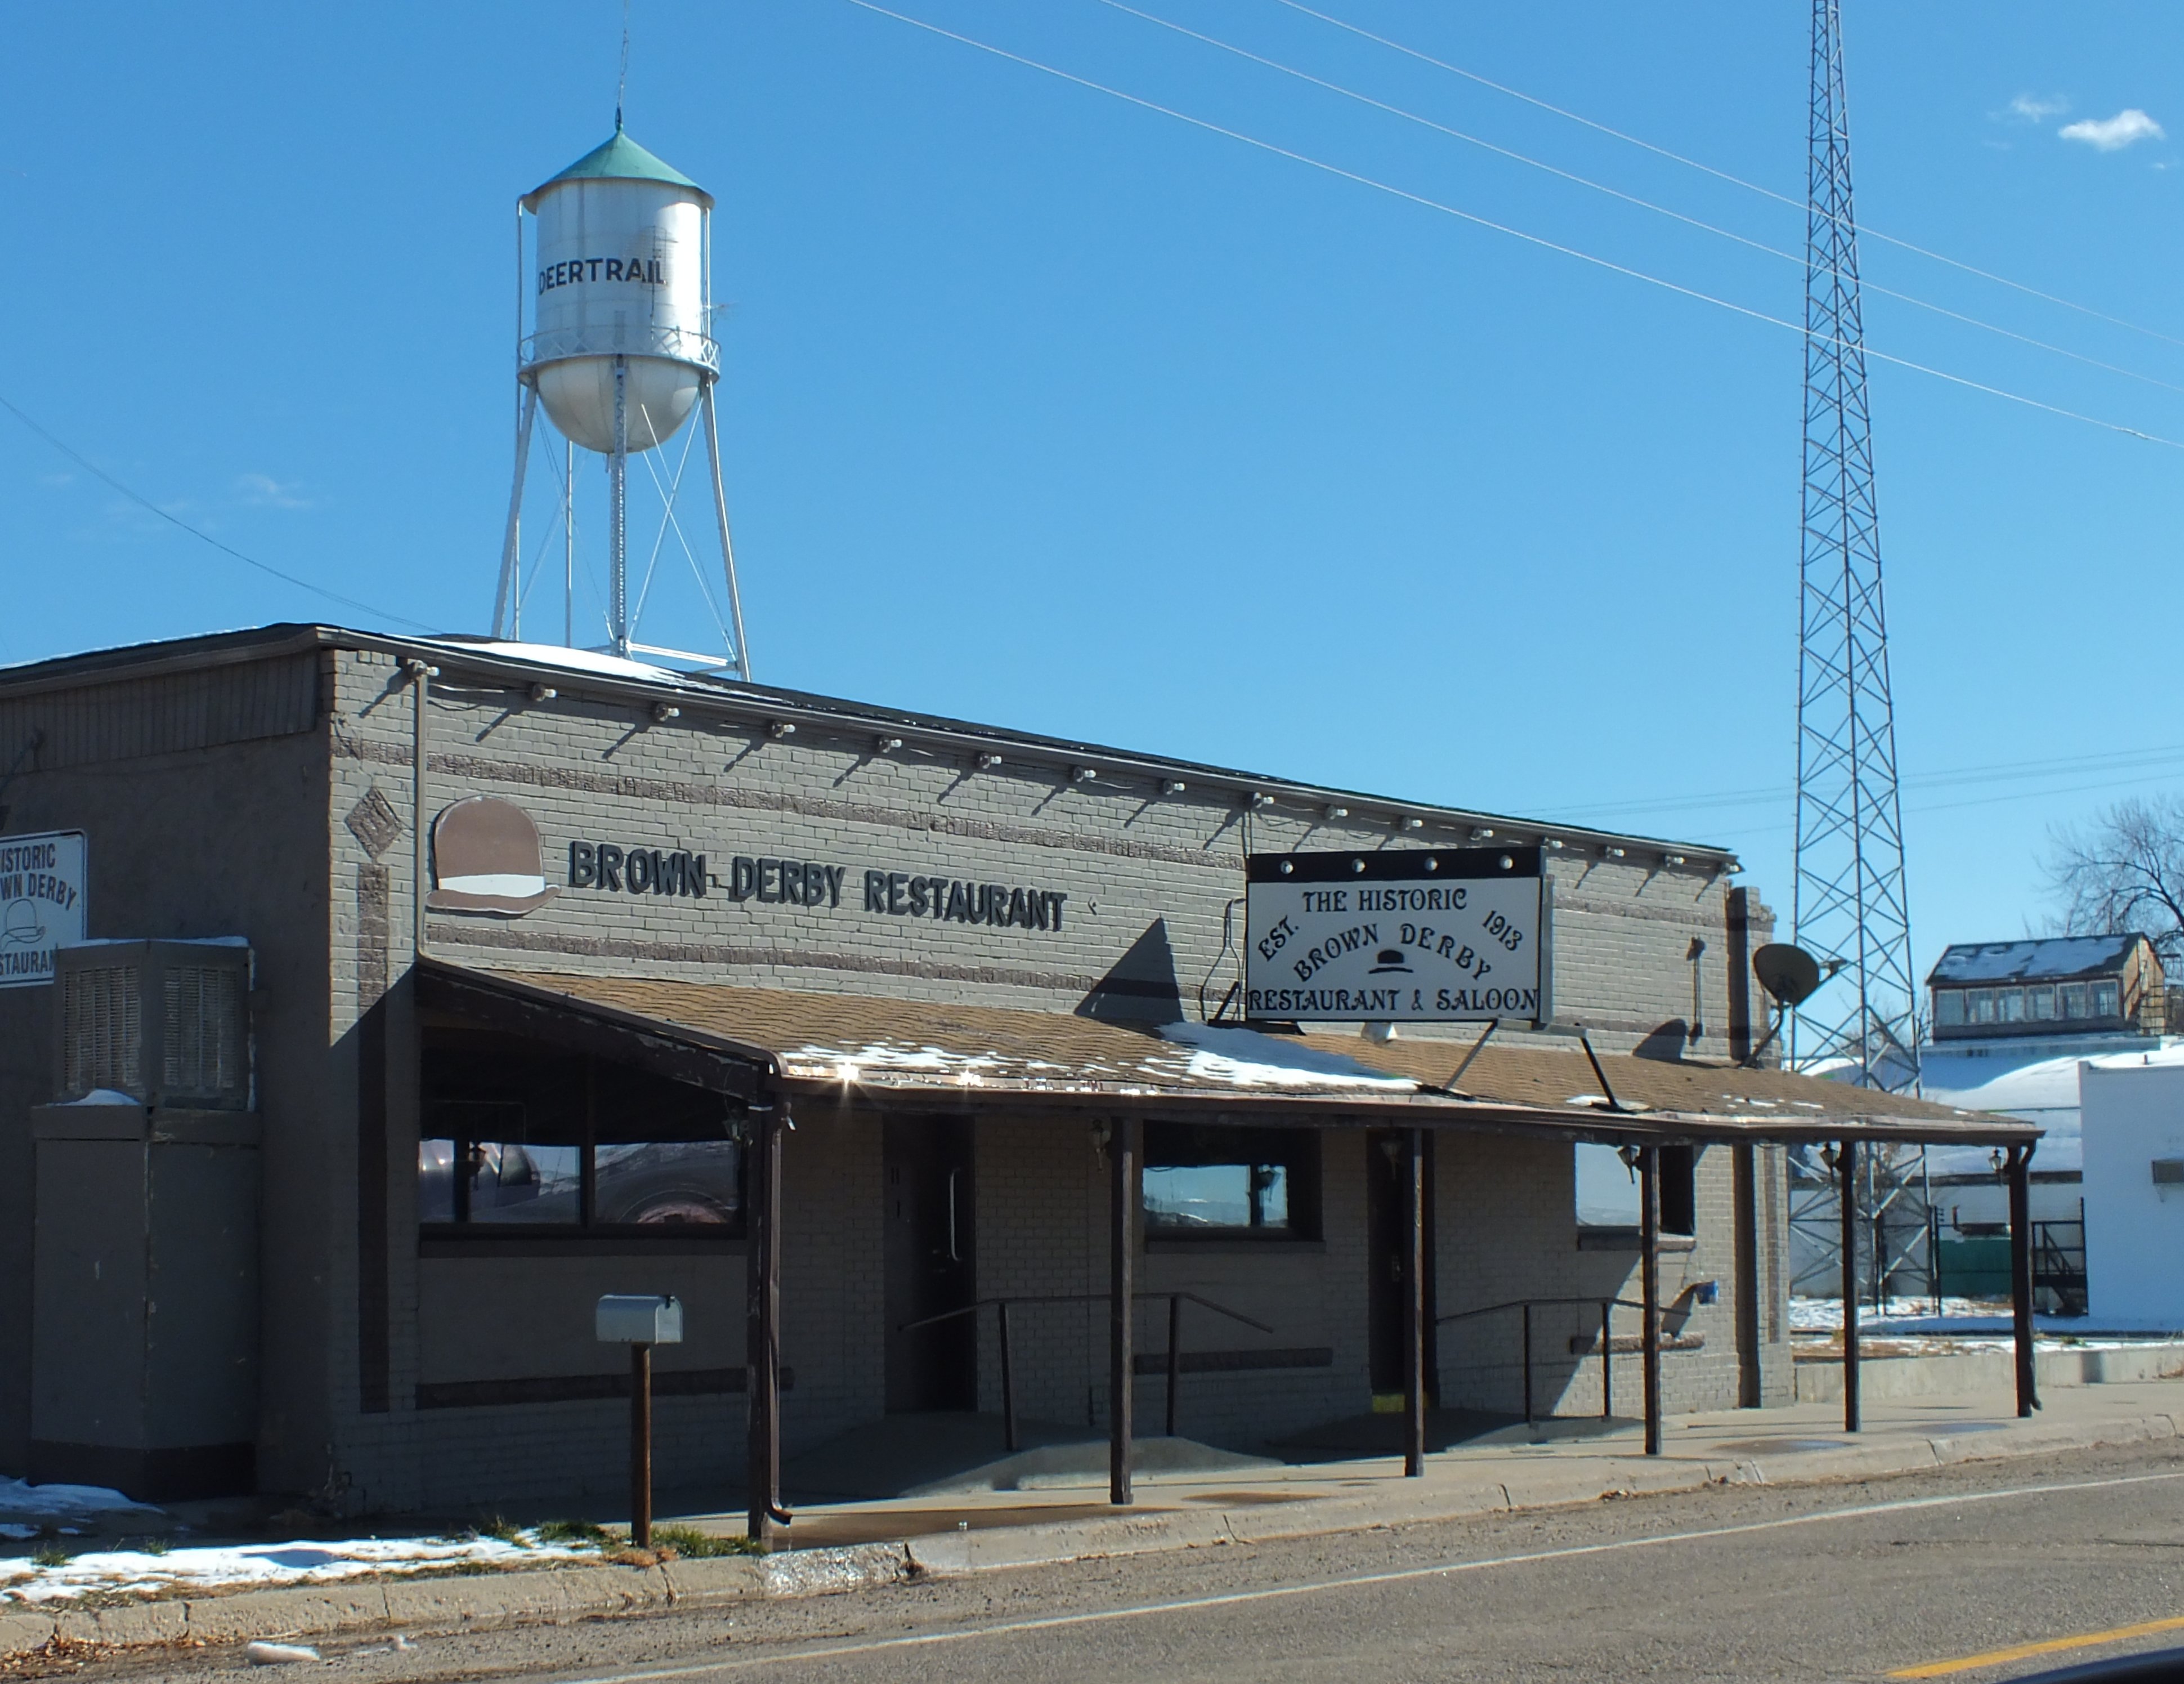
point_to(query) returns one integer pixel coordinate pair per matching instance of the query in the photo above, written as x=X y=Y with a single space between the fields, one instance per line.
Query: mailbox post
x=640 y=1321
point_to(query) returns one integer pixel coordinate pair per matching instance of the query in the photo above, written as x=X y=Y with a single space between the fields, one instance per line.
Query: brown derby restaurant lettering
x=610 y=867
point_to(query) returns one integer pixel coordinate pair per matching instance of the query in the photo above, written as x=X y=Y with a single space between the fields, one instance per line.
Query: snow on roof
x=2062 y=956
x=574 y=659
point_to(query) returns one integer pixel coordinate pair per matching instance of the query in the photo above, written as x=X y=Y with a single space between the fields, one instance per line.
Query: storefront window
x=1258 y=1182
x=516 y=1140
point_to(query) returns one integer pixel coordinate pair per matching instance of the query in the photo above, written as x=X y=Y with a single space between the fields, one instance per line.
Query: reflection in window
x=2073 y=999
x=1979 y=1006
x=1235 y=1181
x=517 y=1136
x=2041 y=1004
x=2107 y=1002
x=1218 y=1196
x=670 y=1181
x=2009 y=1005
x=1949 y=1008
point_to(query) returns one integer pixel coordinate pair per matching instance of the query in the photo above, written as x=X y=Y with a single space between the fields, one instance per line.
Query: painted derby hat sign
x=42 y=903
x=485 y=859
x=1397 y=935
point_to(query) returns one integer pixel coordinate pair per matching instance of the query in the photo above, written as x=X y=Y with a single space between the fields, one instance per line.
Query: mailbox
x=640 y=1318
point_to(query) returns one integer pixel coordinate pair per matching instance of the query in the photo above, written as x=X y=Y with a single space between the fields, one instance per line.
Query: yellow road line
x=1941 y=1669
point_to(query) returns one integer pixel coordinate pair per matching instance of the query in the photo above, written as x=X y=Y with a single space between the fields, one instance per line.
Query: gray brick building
x=966 y=963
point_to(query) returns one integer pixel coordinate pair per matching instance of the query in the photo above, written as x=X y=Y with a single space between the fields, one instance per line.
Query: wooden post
x=640 y=1445
x=1607 y=1363
x=1527 y=1362
x=1649 y=1279
x=1746 y=1162
x=1846 y=1171
x=762 y=1322
x=1175 y=1354
x=1414 y=1317
x=1008 y=1386
x=2021 y=1275
x=1122 y=1153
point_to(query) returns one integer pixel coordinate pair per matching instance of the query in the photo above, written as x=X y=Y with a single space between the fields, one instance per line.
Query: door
x=926 y=1170
x=1388 y=1251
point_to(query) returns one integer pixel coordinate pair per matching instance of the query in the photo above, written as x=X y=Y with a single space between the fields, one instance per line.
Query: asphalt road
x=1855 y=1581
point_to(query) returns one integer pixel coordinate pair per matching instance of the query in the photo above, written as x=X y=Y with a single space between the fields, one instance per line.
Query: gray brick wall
x=294 y=824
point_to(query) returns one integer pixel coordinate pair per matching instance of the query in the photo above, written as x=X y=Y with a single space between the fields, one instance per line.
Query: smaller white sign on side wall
x=1413 y=935
x=41 y=904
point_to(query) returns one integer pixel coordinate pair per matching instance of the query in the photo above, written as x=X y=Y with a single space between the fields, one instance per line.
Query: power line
x=2135 y=761
x=1544 y=243
x=1515 y=157
x=144 y=502
x=1865 y=232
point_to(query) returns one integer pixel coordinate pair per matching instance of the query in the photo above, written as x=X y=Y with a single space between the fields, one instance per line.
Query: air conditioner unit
x=164 y=1023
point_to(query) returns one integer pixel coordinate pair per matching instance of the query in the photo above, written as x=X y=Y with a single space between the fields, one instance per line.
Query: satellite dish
x=1789 y=973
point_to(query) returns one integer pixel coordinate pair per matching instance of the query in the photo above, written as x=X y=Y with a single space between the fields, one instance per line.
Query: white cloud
x=262 y=491
x=2114 y=134
x=2029 y=108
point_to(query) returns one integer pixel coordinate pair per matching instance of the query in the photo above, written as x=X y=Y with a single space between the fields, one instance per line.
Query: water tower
x=614 y=302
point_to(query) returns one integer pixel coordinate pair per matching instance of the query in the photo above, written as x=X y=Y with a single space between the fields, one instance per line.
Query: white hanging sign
x=1410 y=935
x=42 y=903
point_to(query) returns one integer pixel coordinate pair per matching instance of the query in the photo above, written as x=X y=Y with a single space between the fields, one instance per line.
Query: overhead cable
x=1515 y=157
x=144 y=502
x=1540 y=240
x=1866 y=229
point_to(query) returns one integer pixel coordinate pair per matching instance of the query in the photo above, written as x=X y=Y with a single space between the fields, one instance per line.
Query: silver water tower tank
x=620 y=272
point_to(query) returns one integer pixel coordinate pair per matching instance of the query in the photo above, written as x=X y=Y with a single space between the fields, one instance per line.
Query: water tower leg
x=728 y=546
x=506 y=595
x=617 y=513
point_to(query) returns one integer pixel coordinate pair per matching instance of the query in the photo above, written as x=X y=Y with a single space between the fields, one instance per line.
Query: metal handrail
x=1176 y=1301
x=1607 y=1342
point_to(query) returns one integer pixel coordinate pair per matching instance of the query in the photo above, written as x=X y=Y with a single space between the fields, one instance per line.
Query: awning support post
x=1649 y=1277
x=1414 y=1316
x=2021 y=1275
x=1175 y=1354
x=762 y=1325
x=1122 y=1154
x=1008 y=1386
x=1846 y=1169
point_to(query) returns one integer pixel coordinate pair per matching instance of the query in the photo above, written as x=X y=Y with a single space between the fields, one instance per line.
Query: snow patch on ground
x=16 y=1497
x=148 y=1573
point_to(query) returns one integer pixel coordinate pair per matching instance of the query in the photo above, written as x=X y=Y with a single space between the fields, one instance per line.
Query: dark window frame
x=1198 y=1145
x=581 y=1127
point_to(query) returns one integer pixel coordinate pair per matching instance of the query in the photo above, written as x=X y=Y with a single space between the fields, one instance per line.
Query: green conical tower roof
x=620 y=160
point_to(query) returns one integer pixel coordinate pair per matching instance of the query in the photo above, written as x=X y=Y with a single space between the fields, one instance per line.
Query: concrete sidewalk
x=853 y=1544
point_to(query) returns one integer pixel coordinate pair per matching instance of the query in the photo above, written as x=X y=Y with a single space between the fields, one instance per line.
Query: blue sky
x=1051 y=410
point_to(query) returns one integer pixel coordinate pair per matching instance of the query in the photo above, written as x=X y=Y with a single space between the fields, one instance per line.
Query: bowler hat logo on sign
x=485 y=859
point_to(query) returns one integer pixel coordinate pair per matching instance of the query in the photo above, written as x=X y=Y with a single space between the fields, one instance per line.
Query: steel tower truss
x=1849 y=901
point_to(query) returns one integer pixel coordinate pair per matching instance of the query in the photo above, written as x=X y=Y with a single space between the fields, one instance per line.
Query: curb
x=551 y=1595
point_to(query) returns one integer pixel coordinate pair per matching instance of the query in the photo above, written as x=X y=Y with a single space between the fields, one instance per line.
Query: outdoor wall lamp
x=1261 y=801
x=1083 y=774
x=780 y=728
x=543 y=693
x=1481 y=833
x=1338 y=812
x=1173 y=787
x=1414 y=824
x=885 y=745
x=987 y=762
x=664 y=711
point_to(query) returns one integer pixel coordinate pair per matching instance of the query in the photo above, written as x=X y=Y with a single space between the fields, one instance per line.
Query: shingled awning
x=898 y=1053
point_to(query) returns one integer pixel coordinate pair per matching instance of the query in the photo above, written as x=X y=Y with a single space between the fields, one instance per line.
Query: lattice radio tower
x=1849 y=903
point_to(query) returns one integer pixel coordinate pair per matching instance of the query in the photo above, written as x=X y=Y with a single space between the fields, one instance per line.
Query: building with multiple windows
x=373 y=1005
